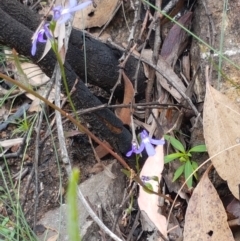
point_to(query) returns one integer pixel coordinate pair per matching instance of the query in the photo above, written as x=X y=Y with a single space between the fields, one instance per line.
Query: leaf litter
x=206 y=218
x=221 y=121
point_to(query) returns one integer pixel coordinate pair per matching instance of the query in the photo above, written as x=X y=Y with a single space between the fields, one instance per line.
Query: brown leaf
x=34 y=74
x=165 y=67
x=95 y=15
x=102 y=152
x=206 y=218
x=125 y=113
x=221 y=121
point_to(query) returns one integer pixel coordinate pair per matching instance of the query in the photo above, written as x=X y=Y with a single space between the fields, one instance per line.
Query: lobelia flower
x=61 y=14
x=39 y=37
x=147 y=143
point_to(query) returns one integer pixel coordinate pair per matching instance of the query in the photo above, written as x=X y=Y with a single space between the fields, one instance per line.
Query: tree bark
x=104 y=123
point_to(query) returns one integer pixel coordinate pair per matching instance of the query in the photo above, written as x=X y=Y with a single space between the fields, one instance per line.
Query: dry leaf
x=148 y=203
x=53 y=238
x=221 y=121
x=102 y=152
x=165 y=67
x=35 y=105
x=206 y=218
x=11 y=142
x=34 y=74
x=124 y=114
x=95 y=15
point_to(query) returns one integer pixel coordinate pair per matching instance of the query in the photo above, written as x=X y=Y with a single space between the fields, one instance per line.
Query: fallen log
x=102 y=59
x=104 y=123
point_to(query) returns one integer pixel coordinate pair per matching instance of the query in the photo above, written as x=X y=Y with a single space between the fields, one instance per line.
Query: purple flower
x=145 y=179
x=63 y=14
x=147 y=143
x=134 y=149
x=39 y=37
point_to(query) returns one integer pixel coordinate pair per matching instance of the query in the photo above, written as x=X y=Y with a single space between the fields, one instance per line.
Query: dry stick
x=134 y=226
x=155 y=54
x=165 y=71
x=122 y=65
x=143 y=47
x=53 y=120
x=140 y=106
x=120 y=209
x=36 y=170
x=214 y=33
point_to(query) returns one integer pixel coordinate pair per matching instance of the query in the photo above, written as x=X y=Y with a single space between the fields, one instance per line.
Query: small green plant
x=23 y=125
x=188 y=166
x=7 y=229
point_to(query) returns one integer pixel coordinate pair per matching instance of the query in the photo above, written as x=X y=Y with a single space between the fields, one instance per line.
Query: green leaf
x=195 y=166
x=178 y=172
x=175 y=143
x=188 y=170
x=155 y=178
x=199 y=148
x=72 y=214
x=172 y=157
x=148 y=188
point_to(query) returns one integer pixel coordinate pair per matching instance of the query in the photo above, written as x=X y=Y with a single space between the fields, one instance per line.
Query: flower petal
x=47 y=31
x=72 y=3
x=79 y=7
x=34 y=47
x=57 y=11
x=64 y=18
x=140 y=149
x=157 y=142
x=150 y=149
x=129 y=153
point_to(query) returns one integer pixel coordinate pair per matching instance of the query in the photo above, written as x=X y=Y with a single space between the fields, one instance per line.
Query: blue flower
x=147 y=143
x=133 y=150
x=145 y=179
x=61 y=14
x=39 y=37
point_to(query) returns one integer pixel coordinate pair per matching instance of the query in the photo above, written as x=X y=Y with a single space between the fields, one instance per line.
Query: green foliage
x=23 y=125
x=188 y=166
x=73 y=228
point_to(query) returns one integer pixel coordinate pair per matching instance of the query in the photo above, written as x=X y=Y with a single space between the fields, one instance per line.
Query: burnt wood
x=102 y=59
x=104 y=123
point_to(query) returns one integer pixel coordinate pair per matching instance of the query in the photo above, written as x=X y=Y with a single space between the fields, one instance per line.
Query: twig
x=155 y=54
x=18 y=152
x=37 y=155
x=134 y=226
x=122 y=205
